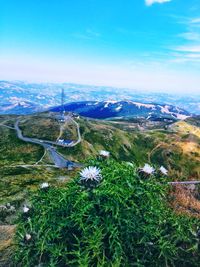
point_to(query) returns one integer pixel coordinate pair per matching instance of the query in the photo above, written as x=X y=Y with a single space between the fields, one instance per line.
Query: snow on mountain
x=19 y=107
x=144 y=105
x=46 y=95
x=107 y=103
x=119 y=108
x=113 y=109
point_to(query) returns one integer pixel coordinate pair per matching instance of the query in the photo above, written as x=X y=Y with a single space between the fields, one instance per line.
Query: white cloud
x=188 y=48
x=191 y=36
x=195 y=20
x=191 y=58
x=151 y=2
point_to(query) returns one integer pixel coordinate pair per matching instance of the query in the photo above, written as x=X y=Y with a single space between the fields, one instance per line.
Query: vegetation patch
x=110 y=215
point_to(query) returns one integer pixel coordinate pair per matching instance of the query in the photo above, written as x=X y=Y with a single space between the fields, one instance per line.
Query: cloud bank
x=151 y=2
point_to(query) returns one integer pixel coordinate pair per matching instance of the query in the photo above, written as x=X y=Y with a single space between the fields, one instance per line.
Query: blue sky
x=151 y=45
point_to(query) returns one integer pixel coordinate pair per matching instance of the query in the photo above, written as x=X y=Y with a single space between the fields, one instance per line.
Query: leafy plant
x=123 y=221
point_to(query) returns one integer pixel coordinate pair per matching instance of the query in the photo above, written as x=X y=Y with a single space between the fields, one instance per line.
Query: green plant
x=122 y=221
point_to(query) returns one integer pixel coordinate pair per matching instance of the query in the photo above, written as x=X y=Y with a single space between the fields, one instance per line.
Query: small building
x=65 y=142
x=60 y=118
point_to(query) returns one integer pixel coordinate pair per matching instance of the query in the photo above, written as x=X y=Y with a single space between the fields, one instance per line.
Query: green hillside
x=23 y=166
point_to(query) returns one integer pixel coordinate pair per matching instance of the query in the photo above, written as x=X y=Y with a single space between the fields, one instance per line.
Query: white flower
x=25 y=209
x=163 y=170
x=91 y=173
x=44 y=185
x=28 y=237
x=148 y=169
x=104 y=153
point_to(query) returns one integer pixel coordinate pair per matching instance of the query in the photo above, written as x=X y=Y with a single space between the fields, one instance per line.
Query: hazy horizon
x=117 y=88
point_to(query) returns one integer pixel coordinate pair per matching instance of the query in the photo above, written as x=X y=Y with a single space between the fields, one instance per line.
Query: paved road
x=73 y=143
x=9 y=127
x=57 y=158
x=78 y=132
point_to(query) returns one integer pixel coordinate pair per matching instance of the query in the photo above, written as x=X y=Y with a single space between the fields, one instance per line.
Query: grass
x=13 y=150
x=47 y=128
x=124 y=220
x=40 y=127
x=158 y=147
x=155 y=147
x=18 y=182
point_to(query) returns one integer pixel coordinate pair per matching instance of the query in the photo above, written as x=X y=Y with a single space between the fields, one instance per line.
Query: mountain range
x=20 y=108
x=20 y=97
x=123 y=109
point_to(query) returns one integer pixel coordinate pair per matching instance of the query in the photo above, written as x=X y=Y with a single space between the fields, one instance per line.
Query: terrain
x=25 y=165
x=124 y=109
x=20 y=97
x=173 y=144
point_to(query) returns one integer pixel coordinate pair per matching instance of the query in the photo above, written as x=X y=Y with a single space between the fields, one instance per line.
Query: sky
x=138 y=44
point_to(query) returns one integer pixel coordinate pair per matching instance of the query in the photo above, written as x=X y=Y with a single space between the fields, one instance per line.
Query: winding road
x=57 y=158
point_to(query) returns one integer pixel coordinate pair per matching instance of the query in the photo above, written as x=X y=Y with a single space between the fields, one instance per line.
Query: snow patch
x=119 y=108
x=139 y=105
x=181 y=116
x=108 y=103
x=148 y=117
x=165 y=109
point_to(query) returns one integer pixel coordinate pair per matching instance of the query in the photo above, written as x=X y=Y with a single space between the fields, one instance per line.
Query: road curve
x=57 y=158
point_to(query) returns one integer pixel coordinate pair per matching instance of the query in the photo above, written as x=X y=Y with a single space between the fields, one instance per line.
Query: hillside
x=24 y=166
x=123 y=109
x=20 y=97
x=173 y=148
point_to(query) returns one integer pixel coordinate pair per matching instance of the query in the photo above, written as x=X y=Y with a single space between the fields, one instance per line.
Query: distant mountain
x=124 y=109
x=47 y=95
x=19 y=108
x=26 y=98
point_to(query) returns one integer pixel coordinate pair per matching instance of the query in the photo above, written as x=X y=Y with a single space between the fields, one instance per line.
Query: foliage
x=13 y=150
x=124 y=221
x=38 y=127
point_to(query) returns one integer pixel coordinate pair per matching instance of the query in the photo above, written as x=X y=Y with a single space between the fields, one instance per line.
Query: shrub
x=122 y=221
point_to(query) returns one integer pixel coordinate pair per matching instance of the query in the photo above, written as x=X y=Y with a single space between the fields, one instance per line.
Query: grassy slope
x=98 y=135
x=40 y=127
x=173 y=149
x=16 y=181
x=159 y=147
x=13 y=150
x=156 y=147
x=47 y=128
